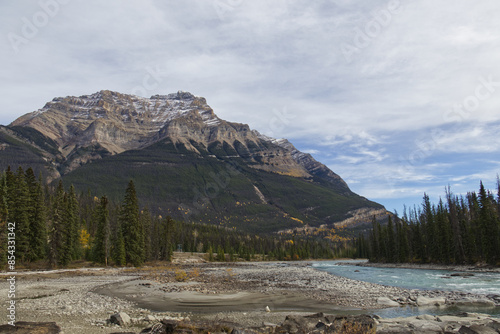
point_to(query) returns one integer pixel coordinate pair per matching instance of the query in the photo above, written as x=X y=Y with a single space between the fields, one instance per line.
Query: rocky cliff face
x=90 y=127
x=187 y=162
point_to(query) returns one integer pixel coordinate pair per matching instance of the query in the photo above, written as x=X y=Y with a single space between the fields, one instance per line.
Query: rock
x=301 y=324
x=427 y=317
x=425 y=326
x=453 y=319
x=495 y=325
x=386 y=301
x=120 y=318
x=462 y=275
x=169 y=326
x=426 y=301
x=470 y=302
x=269 y=324
x=476 y=329
x=268 y=309
x=150 y=318
x=24 y=327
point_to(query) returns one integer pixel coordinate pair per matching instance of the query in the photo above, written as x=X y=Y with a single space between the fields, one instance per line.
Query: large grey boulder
x=476 y=329
x=471 y=302
x=386 y=301
x=120 y=318
x=426 y=301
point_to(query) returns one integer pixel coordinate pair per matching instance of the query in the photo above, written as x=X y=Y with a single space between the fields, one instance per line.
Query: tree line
x=55 y=226
x=457 y=230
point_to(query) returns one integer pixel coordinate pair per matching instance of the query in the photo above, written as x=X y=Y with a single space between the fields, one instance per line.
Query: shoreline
x=427 y=266
x=246 y=294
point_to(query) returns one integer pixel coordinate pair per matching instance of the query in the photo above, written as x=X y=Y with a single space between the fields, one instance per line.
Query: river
x=480 y=283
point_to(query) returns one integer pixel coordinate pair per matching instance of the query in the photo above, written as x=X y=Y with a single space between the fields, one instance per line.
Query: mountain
x=184 y=159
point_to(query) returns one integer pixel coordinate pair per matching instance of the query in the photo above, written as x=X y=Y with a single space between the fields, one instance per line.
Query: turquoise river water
x=480 y=283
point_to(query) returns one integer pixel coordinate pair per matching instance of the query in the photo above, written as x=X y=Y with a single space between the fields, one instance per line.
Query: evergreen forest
x=54 y=226
x=457 y=230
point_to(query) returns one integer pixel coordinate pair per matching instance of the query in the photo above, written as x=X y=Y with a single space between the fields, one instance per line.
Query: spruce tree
x=37 y=217
x=444 y=233
x=132 y=229
x=58 y=229
x=145 y=219
x=431 y=231
x=458 y=247
x=101 y=245
x=489 y=222
x=20 y=216
x=118 y=250
x=391 y=242
x=3 y=221
x=73 y=225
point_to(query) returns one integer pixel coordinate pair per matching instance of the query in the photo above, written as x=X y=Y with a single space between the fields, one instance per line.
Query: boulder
x=425 y=326
x=427 y=317
x=319 y=323
x=476 y=329
x=386 y=301
x=299 y=324
x=470 y=302
x=120 y=318
x=150 y=318
x=462 y=274
x=426 y=301
x=24 y=327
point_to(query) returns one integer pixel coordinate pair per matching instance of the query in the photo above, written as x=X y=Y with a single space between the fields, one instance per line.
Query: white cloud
x=252 y=58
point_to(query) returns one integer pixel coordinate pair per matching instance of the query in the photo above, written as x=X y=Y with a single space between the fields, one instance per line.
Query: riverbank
x=246 y=294
x=429 y=266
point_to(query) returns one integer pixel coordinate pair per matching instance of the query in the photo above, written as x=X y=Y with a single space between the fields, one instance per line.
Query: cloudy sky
x=397 y=97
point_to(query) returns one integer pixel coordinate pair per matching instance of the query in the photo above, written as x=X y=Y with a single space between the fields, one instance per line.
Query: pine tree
x=169 y=231
x=20 y=216
x=431 y=231
x=220 y=254
x=37 y=217
x=475 y=227
x=101 y=240
x=4 y=212
x=444 y=233
x=132 y=229
x=391 y=242
x=403 y=244
x=58 y=234
x=382 y=241
x=145 y=220
x=73 y=225
x=118 y=253
x=459 y=253
x=375 y=251
x=490 y=225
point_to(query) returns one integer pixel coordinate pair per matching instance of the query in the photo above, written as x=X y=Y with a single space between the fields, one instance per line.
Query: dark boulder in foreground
x=22 y=327
x=315 y=323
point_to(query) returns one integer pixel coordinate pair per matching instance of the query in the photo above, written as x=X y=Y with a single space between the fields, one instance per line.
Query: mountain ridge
x=75 y=135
